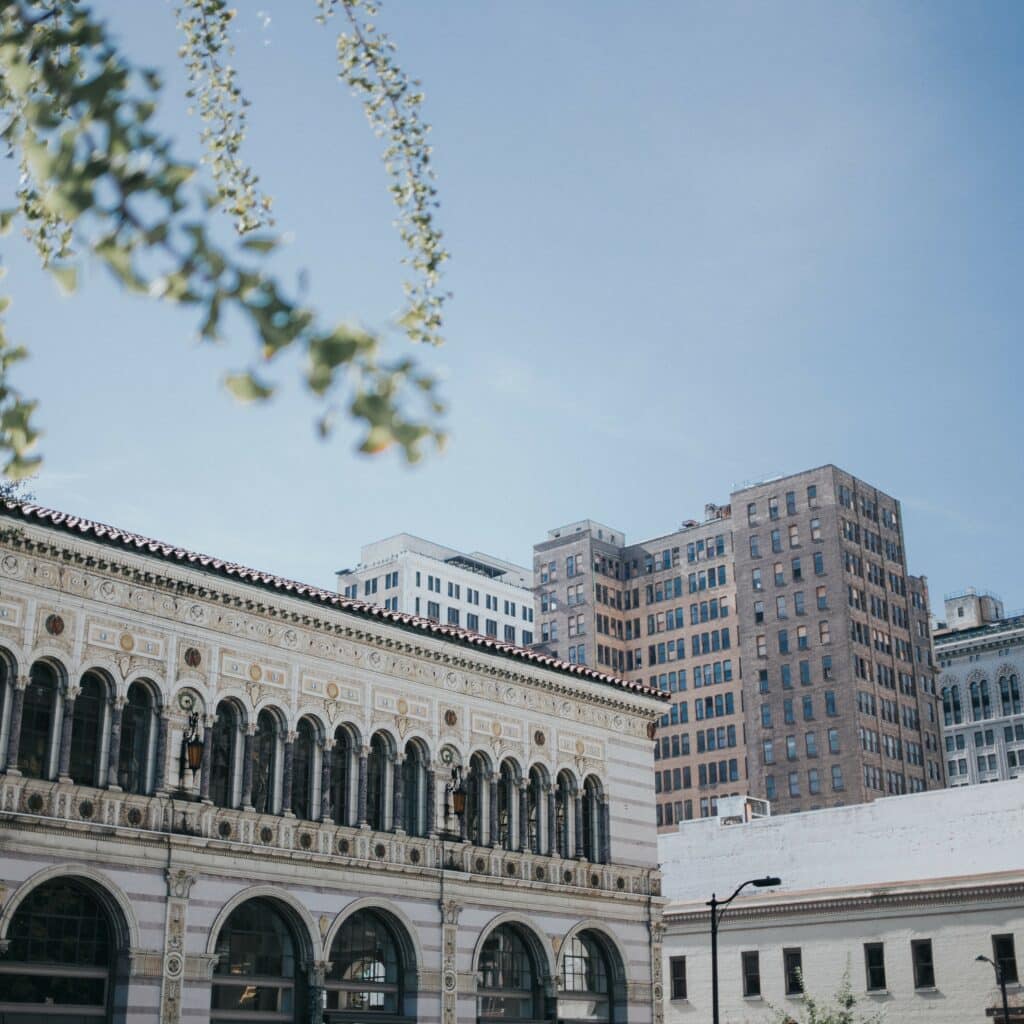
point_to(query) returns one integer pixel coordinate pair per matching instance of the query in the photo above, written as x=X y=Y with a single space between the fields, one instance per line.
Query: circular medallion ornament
x=450 y=718
x=333 y=691
x=174 y=965
x=403 y=706
x=539 y=872
x=305 y=840
x=34 y=803
x=539 y=738
x=343 y=845
x=255 y=673
x=580 y=748
x=186 y=700
x=266 y=833
x=224 y=830
x=414 y=856
x=86 y=809
x=652 y=730
x=127 y=642
x=566 y=876
x=134 y=817
x=380 y=849
x=495 y=729
x=450 y=981
x=193 y=657
x=54 y=625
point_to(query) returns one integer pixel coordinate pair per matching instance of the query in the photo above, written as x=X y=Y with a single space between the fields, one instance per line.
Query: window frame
x=917 y=963
x=677 y=977
x=870 y=968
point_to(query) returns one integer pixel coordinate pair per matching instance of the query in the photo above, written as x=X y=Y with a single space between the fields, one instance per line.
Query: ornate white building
x=310 y=864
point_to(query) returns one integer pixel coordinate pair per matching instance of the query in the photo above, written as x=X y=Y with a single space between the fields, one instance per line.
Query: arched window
x=256 y=977
x=534 y=802
x=958 y=713
x=1015 y=704
x=87 y=730
x=564 y=795
x=508 y=795
x=368 y=971
x=947 y=706
x=986 y=701
x=341 y=776
x=414 y=789
x=137 y=722
x=586 y=981
x=264 y=763
x=508 y=984
x=37 y=717
x=593 y=821
x=59 y=964
x=975 y=703
x=222 y=754
x=377 y=782
x=303 y=769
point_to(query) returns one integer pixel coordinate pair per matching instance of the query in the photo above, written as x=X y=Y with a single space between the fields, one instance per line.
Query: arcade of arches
x=66 y=958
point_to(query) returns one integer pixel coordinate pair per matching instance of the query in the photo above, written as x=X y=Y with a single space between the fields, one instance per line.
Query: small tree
x=840 y=1009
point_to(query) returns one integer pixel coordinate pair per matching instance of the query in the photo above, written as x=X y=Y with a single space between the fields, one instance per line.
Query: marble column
x=66 y=722
x=114 y=750
x=204 y=767
x=398 y=790
x=326 y=766
x=248 y=742
x=288 y=775
x=14 y=736
x=524 y=815
x=316 y=989
x=577 y=823
x=606 y=835
x=552 y=820
x=431 y=803
x=160 y=774
x=492 y=820
x=464 y=817
x=361 y=821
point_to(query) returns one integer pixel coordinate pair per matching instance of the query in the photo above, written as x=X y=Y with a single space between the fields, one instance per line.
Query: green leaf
x=247 y=388
x=67 y=277
x=6 y=220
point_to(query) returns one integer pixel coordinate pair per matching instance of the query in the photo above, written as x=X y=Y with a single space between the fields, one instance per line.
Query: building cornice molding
x=182 y=580
x=820 y=906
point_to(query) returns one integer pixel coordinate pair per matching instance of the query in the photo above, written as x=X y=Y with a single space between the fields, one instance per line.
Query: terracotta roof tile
x=133 y=541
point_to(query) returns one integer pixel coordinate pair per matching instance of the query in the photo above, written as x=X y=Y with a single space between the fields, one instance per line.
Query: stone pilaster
x=364 y=753
x=179 y=886
x=66 y=722
x=14 y=736
x=114 y=749
x=287 y=775
x=316 y=980
x=657 y=982
x=450 y=911
x=398 y=791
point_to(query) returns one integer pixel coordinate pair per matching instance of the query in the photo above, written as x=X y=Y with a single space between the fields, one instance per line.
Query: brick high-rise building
x=838 y=668
x=662 y=612
x=795 y=645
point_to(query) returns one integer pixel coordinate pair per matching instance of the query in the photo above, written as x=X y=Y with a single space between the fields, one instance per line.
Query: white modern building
x=980 y=655
x=230 y=797
x=902 y=893
x=471 y=590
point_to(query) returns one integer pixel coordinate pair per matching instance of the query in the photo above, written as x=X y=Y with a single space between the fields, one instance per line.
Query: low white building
x=470 y=590
x=903 y=893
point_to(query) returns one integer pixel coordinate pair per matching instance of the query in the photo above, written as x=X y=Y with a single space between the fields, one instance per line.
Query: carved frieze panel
x=111 y=636
x=331 y=688
x=497 y=728
x=580 y=747
x=417 y=709
x=247 y=670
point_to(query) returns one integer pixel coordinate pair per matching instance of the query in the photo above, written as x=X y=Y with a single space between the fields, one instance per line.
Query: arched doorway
x=593 y=980
x=510 y=977
x=61 y=960
x=257 y=977
x=373 y=970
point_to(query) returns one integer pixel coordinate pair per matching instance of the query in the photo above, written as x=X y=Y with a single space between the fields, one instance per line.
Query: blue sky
x=680 y=233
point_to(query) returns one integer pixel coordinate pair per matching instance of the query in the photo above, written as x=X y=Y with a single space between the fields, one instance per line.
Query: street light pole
x=717 y=908
x=1001 y=981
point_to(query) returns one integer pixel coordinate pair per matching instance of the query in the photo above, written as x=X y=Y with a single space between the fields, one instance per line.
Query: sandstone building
x=226 y=796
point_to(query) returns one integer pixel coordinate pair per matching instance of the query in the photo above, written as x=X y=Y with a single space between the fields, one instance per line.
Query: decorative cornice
x=815 y=906
x=407 y=632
